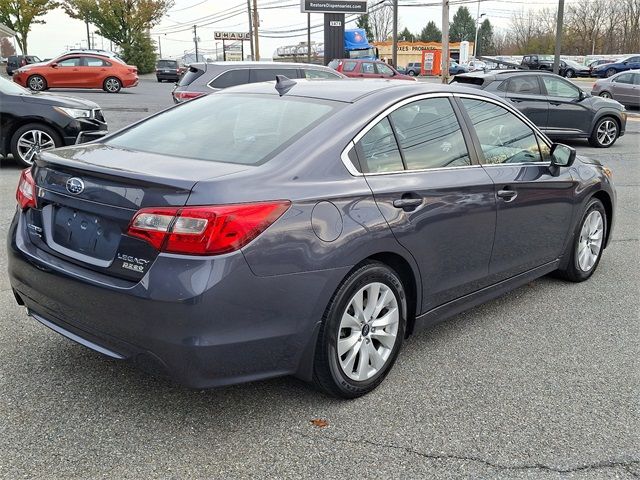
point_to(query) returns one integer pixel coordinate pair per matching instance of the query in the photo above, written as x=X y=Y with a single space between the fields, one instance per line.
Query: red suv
x=356 y=68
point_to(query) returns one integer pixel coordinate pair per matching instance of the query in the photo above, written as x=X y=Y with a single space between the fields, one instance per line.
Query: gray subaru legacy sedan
x=296 y=228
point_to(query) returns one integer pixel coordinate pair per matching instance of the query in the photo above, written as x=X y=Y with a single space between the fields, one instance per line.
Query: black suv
x=168 y=70
x=14 y=62
x=31 y=122
x=558 y=107
x=203 y=78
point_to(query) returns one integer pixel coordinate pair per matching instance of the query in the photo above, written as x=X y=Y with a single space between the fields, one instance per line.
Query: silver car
x=623 y=87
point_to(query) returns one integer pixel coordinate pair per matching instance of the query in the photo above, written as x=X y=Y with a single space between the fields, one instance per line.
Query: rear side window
x=349 y=66
x=379 y=150
x=231 y=78
x=521 y=84
x=230 y=128
x=95 y=62
x=311 y=74
x=429 y=135
x=504 y=138
x=366 y=67
x=269 y=74
x=190 y=75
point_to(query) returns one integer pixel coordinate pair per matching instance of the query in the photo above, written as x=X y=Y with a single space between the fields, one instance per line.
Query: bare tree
x=381 y=22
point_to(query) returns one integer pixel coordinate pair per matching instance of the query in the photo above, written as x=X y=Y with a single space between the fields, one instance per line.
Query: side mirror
x=54 y=65
x=562 y=155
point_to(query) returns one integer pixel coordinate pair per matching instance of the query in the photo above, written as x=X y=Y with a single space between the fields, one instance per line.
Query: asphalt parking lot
x=542 y=383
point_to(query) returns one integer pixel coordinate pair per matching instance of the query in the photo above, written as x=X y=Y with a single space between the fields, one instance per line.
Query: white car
x=474 y=65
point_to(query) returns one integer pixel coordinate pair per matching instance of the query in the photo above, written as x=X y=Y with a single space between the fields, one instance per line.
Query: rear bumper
x=203 y=322
x=130 y=82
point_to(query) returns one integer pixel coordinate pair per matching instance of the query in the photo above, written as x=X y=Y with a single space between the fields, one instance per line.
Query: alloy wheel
x=33 y=142
x=112 y=85
x=607 y=132
x=368 y=331
x=610 y=72
x=36 y=83
x=569 y=73
x=590 y=241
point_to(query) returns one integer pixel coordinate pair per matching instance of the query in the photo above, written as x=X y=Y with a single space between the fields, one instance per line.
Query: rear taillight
x=205 y=230
x=184 y=96
x=26 y=192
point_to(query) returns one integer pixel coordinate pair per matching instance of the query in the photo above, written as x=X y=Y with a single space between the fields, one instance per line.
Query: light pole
x=475 y=43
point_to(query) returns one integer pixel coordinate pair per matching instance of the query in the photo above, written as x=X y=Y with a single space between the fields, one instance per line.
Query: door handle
x=407 y=202
x=515 y=100
x=555 y=104
x=507 y=194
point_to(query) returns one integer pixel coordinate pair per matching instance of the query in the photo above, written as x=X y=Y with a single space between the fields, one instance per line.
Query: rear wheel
x=31 y=139
x=605 y=95
x=588 y=242
x=37 y=83
x=412 y=73
x=112 y=85
x=605 y=133
x=610 y=72
x=361 y=333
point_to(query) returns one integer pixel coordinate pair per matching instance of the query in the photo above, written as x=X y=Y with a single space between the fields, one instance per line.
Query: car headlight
x=74 y=112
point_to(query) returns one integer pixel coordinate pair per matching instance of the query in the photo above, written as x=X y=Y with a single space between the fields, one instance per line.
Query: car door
x=568 y=112
x=438 y=202
x=534 y=202
x=64 y=73
x=525 y=94
x=384 y=71
x=632 y=63
x=368 y=70
x=622 y=88
x=93 y=71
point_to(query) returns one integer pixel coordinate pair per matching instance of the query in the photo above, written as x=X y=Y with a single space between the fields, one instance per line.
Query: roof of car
x=247 y=64
x=351 y=90
x=496 y=73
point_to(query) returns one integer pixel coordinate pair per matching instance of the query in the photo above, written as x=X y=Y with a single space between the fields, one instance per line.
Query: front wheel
x=112 y=85
x=588 y=242
x=569 y=74
x=361 y=333
x=37 y=83
x=605 y=133
x=31 y=139
x=412 y=73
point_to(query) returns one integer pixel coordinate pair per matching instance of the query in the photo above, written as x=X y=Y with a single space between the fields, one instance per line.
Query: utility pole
x=556 y=58
x=475 y=42
x=250 y=30
x=308 y=38
x=159 y=47
x=444 y=65
x=394 y=48
x=88 y=34
x=256 y=23
x=195 y=39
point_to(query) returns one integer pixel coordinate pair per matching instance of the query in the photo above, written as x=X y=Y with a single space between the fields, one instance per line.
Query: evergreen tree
x=431 y=33
x=463 y=26
x=406 y=35
x=485 y=39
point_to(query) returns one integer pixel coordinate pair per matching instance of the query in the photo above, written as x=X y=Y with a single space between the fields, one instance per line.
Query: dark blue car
x=305 y=229
x=609 y=69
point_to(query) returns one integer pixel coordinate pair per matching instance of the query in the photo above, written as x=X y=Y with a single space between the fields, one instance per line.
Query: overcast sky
x=59 y=31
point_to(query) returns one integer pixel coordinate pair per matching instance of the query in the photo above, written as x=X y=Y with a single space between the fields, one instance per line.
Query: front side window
x=70 y=62
x=230 y=128
x=378 y=150
x=636 y=78
x=231 y=78
x=429 y=135
x=320 y=74
x=557 y=87
x=522 y=84
x=504 y=138
x=384 y=70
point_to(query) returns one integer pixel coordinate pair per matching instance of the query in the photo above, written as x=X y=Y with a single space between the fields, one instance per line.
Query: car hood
x=600 y=102
x=59 y=101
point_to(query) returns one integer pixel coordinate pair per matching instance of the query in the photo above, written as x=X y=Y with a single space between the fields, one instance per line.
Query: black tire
x=605 y=94
x=159 y=80
x=111 y=85
x=411 y=73
x=55 y=137
x=573 y=272
x=569 y=73
x=597 y=139
x=37 y=83
x=610 y=72
x=328 y=374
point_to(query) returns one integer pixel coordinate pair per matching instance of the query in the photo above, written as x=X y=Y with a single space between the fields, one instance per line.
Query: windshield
x=167 y=64
x=572 y=63
x=230 y=128
x=9 y=88
x=366 y=53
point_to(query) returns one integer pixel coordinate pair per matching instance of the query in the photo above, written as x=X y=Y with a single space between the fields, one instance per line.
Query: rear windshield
x=167 y=64
x=468 y=81
x=189 y=76
x=230 y=128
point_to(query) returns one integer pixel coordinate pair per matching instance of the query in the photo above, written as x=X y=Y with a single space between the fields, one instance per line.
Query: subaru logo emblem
x=75 y=185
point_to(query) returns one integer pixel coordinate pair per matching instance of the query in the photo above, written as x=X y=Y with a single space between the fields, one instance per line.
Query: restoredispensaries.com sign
x=333 y=6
